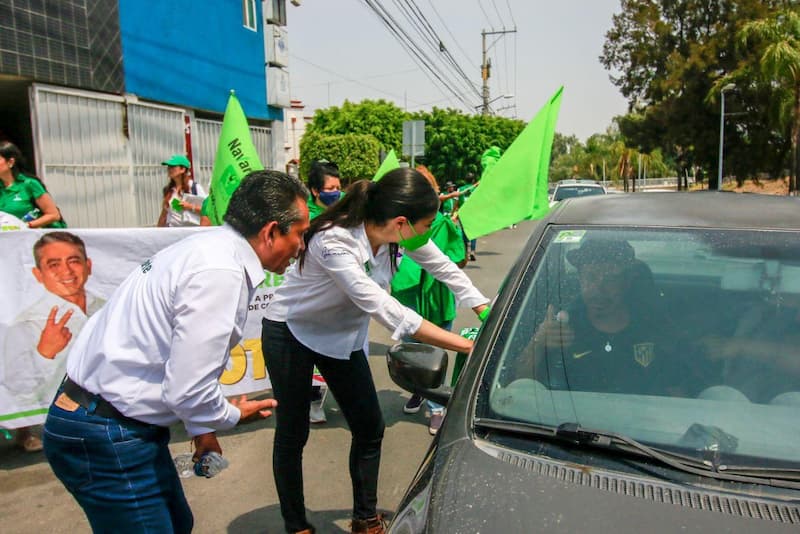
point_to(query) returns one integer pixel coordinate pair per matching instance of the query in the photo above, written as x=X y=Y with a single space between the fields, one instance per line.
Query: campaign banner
x=56 y=286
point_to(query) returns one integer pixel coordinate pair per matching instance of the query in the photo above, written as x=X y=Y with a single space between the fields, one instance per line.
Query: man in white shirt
x=152 y=357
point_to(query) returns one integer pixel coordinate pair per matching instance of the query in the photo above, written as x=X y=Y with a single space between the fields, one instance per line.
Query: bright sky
x=340 y=50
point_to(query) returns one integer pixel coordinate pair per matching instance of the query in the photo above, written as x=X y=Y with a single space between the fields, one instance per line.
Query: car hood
x=473 y=486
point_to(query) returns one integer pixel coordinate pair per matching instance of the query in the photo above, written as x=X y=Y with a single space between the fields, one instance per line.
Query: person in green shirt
x=412 y=286
x=325 y=186
x=449 y=199
x=23 y=196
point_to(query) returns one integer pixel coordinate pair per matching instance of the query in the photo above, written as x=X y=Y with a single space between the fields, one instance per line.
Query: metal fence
x=100 y=155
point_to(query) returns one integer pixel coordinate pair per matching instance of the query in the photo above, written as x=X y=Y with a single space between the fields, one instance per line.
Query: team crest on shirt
x=644 y=353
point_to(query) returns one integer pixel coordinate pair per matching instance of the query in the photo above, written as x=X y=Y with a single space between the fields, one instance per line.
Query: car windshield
x=683 y=339
x=571 y=191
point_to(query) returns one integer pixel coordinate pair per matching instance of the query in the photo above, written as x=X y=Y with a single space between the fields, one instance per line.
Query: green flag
x=515 y=188
x=389 y=163
x=236 y=158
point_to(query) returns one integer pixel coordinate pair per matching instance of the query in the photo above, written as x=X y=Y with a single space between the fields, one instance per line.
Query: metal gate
x=99 y=155
x=156 y=132
x=82 y=155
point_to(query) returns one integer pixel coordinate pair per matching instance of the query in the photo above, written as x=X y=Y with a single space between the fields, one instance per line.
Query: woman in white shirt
x=320 y=316
x=175 y=209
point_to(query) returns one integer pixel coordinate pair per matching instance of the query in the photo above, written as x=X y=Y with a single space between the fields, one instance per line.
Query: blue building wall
x=193 y=52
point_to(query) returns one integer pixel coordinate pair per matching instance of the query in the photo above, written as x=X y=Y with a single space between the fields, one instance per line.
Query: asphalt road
x=242 y=499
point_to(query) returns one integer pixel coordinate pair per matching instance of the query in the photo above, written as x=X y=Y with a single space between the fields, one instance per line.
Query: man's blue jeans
x=120 y=472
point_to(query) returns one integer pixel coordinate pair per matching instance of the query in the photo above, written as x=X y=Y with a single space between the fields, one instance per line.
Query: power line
x=514 y=22
x=486 y=15
x=428 y=34
x=433 y=7
x=503 y=24
x=418 y=55
x=351 y=80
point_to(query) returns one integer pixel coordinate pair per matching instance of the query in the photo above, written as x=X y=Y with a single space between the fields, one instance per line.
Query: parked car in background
x=576 y=188
x=639 y=371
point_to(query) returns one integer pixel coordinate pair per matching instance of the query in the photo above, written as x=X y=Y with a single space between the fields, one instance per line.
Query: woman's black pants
x=290 y=365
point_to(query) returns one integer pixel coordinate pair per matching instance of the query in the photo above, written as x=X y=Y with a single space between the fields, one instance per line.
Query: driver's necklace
x=608 y=346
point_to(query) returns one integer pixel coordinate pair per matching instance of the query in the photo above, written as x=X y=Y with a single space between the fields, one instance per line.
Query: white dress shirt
x=157 y=348
x=328 y=305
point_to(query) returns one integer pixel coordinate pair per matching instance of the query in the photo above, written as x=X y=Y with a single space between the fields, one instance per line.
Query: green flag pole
x=389 y=163
x=515 y=188
x=236 y=158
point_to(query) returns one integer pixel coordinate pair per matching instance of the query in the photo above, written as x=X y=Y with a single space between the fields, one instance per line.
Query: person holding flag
x=320 y=317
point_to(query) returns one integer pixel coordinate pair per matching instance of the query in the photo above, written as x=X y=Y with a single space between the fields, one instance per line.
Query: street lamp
x=722 y=130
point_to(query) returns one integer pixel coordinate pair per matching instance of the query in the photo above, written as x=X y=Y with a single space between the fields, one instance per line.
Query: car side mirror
x=420 y=369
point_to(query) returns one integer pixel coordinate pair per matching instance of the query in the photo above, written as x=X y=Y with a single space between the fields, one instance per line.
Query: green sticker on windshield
x=569 y=236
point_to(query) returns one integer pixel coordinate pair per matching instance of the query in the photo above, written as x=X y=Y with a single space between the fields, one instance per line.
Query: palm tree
x=779 y=38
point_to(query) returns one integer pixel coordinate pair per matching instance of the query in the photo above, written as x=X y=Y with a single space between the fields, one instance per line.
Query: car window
x=687 y=339
x=572 y=191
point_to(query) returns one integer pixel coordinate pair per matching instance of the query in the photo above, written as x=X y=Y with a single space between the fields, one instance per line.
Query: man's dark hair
x=57 y=237
x=263 y=197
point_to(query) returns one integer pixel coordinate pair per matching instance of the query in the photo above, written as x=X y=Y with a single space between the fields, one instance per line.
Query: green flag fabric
x=236 y=158
x=389 y=163
x=515 y=188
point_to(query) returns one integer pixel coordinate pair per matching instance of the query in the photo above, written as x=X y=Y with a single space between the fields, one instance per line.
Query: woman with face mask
x=325 y=187
x=320 y=316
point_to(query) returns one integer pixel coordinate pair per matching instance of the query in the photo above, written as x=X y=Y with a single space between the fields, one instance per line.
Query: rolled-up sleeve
x=205 y=306
x=336 y=254
x=443 y=269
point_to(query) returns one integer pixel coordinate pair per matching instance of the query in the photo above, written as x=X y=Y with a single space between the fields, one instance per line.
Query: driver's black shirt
x=640 y=359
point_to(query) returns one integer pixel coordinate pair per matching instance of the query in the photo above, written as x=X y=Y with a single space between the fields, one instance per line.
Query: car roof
x=703 y=209
x=574 y=181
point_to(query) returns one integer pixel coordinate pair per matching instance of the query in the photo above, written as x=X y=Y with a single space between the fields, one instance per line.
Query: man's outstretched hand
x=251 y=409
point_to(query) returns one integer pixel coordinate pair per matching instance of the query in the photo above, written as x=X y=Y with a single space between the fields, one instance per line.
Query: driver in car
x=610 y=339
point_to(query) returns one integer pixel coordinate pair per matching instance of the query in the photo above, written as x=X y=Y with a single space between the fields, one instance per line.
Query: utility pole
x=486 y=65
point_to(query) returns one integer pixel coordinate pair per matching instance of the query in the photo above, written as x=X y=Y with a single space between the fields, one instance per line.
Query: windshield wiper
x=601 y=438
x=576 y=434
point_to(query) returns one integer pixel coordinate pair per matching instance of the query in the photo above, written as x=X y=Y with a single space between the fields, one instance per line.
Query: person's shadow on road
x=325 y=521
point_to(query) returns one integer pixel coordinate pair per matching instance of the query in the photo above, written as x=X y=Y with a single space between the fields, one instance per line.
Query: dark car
x=639 y=372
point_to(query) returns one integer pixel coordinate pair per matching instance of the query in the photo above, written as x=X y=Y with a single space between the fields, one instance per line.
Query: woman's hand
x=190 y=207
x=50 y=213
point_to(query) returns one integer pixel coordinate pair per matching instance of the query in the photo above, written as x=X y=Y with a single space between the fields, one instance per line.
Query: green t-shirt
x=449 y=205
x=204 y=207
x=20 y=197
x=313 y=210
x=412 y=286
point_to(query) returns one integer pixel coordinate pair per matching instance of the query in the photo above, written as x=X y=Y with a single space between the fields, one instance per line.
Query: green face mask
x=413 y=243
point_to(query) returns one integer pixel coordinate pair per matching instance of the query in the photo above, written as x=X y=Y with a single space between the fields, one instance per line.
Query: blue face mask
x=329 y=197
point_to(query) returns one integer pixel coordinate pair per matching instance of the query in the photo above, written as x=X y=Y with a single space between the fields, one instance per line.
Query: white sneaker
x=316 y=413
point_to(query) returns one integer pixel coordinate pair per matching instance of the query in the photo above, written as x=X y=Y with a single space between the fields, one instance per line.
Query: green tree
x=778 y=39
x=454 y=141
x=666 y=56
x=356 y=155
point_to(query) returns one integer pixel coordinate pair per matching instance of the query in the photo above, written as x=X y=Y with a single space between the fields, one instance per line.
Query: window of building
x=249 y=14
